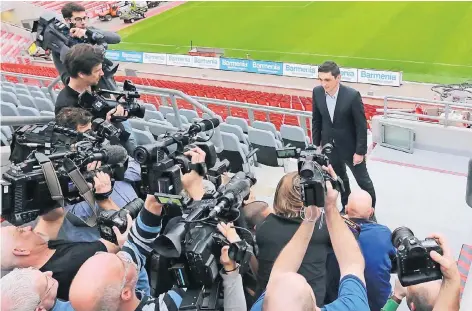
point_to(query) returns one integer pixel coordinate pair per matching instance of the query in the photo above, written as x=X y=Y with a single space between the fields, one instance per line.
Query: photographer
x=75 y=15
x=434 y=295
x=24 y=247
x=114 y=287
x=83 y=62
x=287 y=290
x=277 y=230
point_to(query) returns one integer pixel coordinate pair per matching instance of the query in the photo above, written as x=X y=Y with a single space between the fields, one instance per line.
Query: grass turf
x=428 y=41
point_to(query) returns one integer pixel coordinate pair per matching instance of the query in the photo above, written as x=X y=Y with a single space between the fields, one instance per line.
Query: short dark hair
x=70 y=8
x=254 y=213
x=72 y=117
x=330 y=66
x=420 y=301
x=83 y=57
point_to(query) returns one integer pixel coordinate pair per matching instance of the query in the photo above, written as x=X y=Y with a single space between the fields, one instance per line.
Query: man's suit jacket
x=348 y=130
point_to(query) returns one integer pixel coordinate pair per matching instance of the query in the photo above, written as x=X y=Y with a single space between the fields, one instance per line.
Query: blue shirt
x=375 y=243
x=62 y=306
x=352 y=297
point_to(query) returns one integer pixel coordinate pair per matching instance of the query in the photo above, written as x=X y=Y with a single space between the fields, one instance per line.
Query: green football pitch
x=428 y=41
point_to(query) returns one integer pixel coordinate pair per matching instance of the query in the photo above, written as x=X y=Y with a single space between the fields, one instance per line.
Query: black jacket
x=348 y=131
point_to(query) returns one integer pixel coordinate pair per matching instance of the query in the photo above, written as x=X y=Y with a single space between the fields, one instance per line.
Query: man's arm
x=109 y=37
x=50 y=223
x=361 y=124
x=344 y=243
x=316 y=120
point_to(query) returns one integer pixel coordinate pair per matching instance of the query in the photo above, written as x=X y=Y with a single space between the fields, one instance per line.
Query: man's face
x=328 y=81
x=46 y=288
x=79 y=19
x=19 y=241
x=93 y=78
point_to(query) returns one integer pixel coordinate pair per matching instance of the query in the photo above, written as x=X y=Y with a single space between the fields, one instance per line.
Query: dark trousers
x=360 y=174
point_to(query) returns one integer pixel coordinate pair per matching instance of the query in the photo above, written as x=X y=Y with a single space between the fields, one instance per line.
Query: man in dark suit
x=339 y=119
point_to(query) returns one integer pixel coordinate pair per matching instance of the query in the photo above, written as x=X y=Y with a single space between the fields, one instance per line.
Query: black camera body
x=105 y=130
x=161 y=162
x=412 y=263
x=312 y=176
x=108 y=219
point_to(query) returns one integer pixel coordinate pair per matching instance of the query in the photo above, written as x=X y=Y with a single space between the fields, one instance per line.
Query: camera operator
x=83 y=62
x=75 y=15
x=24 y=247
x=287 y=290
x=115 y=275
x=434 y=295
x=277 y=230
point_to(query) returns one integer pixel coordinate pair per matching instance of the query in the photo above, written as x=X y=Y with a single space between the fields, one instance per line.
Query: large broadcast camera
x=412 y=262
x=194 y=245
x=34 y=186
x=54 y=35
x=99 y=105
x=161 y=162
x=312 y=177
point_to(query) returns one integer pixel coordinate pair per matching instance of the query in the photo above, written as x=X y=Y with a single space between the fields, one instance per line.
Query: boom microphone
x=110 y=154
x=204 y=125
x=468 y=192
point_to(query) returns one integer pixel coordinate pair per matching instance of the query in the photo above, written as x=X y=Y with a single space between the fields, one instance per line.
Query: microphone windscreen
x=468 y=192
x=115 y=154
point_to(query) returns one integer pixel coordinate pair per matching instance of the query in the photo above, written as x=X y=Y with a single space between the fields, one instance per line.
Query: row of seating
x=92 y=7
x=11 y=45
x=26 y=96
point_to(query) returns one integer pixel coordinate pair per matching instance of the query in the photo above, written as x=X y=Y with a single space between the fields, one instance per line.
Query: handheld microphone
x=204 y=125
x=110 y=154
x=468 y=191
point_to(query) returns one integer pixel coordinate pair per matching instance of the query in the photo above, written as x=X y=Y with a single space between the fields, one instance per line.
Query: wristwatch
x=199 y=168
x=395 y=298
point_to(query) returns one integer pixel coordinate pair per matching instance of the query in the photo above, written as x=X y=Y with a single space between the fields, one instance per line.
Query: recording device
x=312 y=177
x=161 y=162
x=26 y=192
x=99 y=105
x=54 y=35
x=215 y=174
x=105 y=130
x=468 y=193
x=412 y=263
x=108 y=219
x=194 y=243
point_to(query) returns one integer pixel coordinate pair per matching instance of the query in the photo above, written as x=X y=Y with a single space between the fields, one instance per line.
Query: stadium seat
x=156 y=115
x=234 y=153
x=163 y=122
x=173 y=119
x=149 y=107
x=293 y=135
x=44 y=104
x=139 y=124
x=267 y=127
x=189 y=114
x=26 y=101
x=38 y=94
x=9 y=97
x=165 y=110
x=34 y=88
x=267 y=145
x=157 y=129
x=8 y=109
x=7 y=88
x=143 y=137
x=236 y=130
x=242 y=123
x=28 y=111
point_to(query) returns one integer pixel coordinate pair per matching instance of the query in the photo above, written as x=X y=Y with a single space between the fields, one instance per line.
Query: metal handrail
x=17 y=121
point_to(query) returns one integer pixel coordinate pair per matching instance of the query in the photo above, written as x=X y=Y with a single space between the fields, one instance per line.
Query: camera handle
x=337 y=183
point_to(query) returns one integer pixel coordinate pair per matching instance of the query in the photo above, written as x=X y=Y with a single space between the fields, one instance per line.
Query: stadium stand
x=92 y=7
x=11 y=45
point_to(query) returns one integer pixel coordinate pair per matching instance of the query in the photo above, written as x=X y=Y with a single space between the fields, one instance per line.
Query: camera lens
x=134 y=207
x=145 y=153
x=399 y=234
x=307 y=170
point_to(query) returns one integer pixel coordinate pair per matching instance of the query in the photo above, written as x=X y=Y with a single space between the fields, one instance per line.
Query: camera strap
x=50 y=177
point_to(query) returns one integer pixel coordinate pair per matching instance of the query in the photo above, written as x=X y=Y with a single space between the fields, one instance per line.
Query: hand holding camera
x=448 y=265
x=102 y=183
x=77 y=32
x=116 y=113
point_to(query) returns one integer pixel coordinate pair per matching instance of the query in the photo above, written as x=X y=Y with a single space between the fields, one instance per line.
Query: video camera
x=412 y=262
x=194 y=245
x=99 y=105
x=32 y=187
x=312 y=177
x=162 y=161
x=54 y=35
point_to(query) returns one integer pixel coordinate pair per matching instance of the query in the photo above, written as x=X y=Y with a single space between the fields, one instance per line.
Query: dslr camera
x=412 y=262
x=312 y=177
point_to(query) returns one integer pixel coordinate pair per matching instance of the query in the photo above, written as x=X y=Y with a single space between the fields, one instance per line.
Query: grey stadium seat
x=8 y=109
x=165 y=110
x=161 y=122
x=239 y=122
x=38 y=94
x=267 y=144
x=9 y=84
x=293 y=135
x=267 y=126
x=9 y=97
x=157 y=129
x=157 y=115
x=236 y=130
x=28 y=111
x=189 y=114
x=22 y=91
x=6 y=130
x=7 y=88
x=172 y=118
x=143 y=137
x=21 y=86
x=233 y=152
x=33 y=88
x=44 y=104
x=150 y=107
x=26 y=101
x=138 y=124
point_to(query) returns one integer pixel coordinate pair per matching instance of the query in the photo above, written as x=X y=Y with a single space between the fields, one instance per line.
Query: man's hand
x=192 y=182
x=229 y=232
x=357 y=159
x=399 y=291
x=196 y=154
x=118 y=111
x=228 y=264
x=102 y=183
x=331 y=194
x=121 y=238
x=448 y=264
x=94 y=165
x=152 y=205
x=77 y=32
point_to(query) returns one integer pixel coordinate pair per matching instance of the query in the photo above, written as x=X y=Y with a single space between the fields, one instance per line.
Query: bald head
x=359 y=204
x=98 y=279
x=422 y=297
x=289 y=291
